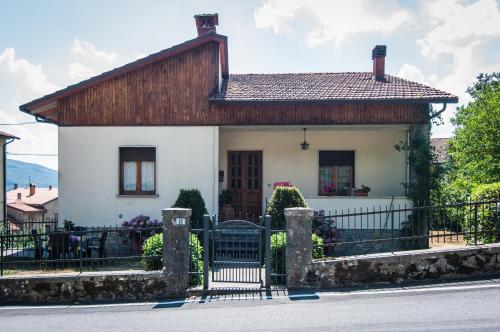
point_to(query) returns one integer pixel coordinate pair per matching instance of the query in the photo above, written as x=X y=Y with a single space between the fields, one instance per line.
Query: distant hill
x=20 y=172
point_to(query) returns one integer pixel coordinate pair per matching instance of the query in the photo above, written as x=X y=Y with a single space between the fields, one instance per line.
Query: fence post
x=206 y=250
x=392 y=229
x=176 y=255
x=1 y=255
x=267 y=222
x=298 y=252
x=475 y=224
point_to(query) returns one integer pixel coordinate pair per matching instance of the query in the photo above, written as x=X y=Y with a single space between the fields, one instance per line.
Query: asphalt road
x=464 y=306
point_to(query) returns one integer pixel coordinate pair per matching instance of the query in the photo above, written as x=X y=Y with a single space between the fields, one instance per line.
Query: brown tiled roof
x=7 y=135
x=347 y=87
x=18 y=205
x=441 y=149
x=41 y=196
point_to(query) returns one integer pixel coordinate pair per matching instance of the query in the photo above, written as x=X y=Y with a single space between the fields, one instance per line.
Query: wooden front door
x=245 y=181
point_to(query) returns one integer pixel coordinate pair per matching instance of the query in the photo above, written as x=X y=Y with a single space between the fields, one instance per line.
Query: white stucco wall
x=2 y=189
x=377 y=164
x=89 y=170
x=52 y=210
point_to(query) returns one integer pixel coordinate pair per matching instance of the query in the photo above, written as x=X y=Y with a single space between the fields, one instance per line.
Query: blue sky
x=46 y=45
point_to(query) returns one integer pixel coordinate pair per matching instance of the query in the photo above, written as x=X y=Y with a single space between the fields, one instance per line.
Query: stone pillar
x=176 y=249
x=298 y=245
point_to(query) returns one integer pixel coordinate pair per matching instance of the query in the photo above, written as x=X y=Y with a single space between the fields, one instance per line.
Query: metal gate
x=237 y=252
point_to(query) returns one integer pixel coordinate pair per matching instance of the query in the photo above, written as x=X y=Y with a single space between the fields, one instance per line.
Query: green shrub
x=154 y=247
x=317 y=243
x=196 y=250
x=278 y=245
x=488 y=215
x=192 y=199
x=282 y=198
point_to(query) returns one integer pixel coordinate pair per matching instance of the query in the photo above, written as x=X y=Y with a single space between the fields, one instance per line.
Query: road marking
x=319 y=295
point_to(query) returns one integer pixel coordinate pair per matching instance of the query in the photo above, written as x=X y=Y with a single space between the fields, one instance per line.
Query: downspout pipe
x=433 y=115
x=4 y=182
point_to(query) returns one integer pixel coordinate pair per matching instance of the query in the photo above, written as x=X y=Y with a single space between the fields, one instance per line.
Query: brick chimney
x=206 y=23
x=32 y=189
x=15 y=186
x=18 y=196
x=50 y=187
x=378 y=56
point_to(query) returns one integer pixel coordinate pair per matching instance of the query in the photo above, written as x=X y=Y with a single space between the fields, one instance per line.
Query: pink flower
x=282 y=184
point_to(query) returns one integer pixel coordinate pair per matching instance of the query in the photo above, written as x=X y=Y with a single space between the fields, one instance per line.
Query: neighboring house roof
x=7 y=135
x=169 y=52
x=349 y=87
x=21 y=206
x=441 y=149
x=41 y=196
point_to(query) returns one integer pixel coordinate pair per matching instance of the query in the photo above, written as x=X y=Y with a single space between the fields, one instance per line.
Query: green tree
x=475 y=149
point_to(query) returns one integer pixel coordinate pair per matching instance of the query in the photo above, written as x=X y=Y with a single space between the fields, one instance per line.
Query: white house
x=130 y=138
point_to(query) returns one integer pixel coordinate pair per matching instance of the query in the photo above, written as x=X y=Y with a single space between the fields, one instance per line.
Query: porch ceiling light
x=304 y=145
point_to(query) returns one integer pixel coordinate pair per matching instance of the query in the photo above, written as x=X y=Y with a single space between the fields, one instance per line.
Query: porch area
x=338 y=161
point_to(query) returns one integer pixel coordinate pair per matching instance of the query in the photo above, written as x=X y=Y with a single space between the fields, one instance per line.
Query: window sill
x=138 y=196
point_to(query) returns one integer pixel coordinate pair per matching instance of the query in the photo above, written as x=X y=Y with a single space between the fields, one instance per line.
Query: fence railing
x=396 y=228
x=78 y=249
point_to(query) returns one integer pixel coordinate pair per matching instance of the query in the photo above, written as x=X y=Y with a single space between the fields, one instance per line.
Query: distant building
x=32 y=204
x=5 y=139
x=441 y=146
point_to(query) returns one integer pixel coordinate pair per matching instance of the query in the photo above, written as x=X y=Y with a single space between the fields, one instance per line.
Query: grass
x=43 y=268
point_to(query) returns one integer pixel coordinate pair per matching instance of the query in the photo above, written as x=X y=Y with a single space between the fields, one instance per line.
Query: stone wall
x=403 y=267
x=379 y=240
x=86 y=287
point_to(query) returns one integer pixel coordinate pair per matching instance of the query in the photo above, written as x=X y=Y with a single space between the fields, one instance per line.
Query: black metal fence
x=78 y=249
x=389 y=229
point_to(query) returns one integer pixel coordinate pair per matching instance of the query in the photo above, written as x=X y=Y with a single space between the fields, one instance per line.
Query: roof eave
x=450 y=100
x=172 y=51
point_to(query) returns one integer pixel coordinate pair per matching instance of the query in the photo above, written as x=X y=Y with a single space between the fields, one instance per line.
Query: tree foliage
x=475 y=148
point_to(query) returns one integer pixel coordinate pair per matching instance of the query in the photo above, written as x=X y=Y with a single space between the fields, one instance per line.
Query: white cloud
x=459 y=32
x=29 y=79
x=333 y=21
x=411 y=73
x=78 y=72
x=455 y=26
x=84 y=48
x=22 y=81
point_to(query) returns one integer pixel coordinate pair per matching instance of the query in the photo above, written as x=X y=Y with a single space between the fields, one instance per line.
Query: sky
x=48 y=45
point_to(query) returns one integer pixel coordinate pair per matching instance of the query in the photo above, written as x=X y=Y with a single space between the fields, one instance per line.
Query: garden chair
x=59 y=245
x=37 y=240
x=97 y=244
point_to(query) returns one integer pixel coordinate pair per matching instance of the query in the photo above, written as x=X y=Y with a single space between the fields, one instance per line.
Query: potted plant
x=225 y=200
x=330 y=189
x=363 y=191
x=140 y=228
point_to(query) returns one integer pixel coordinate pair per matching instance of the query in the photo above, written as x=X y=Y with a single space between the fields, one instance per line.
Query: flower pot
x=360 y=193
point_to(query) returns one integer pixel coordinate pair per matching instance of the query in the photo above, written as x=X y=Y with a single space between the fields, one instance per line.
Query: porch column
x=176 y=249
x=298 y=251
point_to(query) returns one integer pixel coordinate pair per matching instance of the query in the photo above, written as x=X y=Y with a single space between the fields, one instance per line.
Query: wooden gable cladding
x=318 y=114
x=173 y=91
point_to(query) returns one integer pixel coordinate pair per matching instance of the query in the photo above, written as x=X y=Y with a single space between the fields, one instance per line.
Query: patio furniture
x=97 y=244
x=59 y=245
x=37 y=240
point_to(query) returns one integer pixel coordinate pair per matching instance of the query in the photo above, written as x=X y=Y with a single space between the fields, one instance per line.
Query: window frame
x=138 y=173
x=353 y=177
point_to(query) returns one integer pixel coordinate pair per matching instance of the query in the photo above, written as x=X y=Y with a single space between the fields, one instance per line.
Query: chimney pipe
x=378 y=56
x=205 y=23
x=15 y=186
x=18 y=196
x=32 y=189
x=50 y=187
